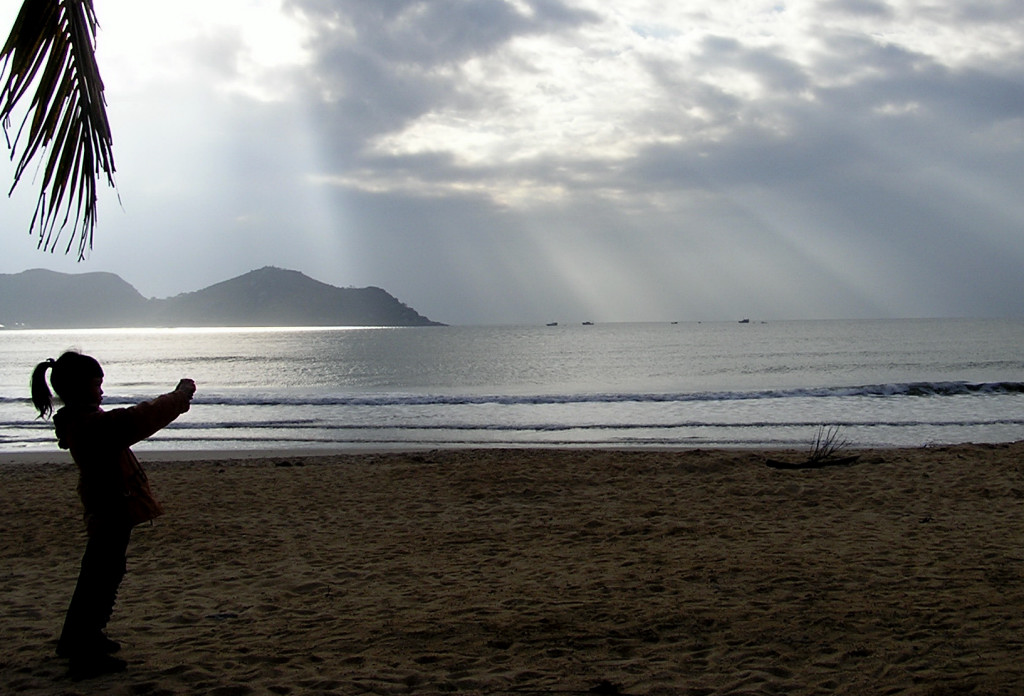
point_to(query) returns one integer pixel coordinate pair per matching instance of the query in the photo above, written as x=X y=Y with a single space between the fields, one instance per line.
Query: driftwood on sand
x=811 y=463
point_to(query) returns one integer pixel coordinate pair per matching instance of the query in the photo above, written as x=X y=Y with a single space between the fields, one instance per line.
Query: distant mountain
x=266 y=297
x=47 y=299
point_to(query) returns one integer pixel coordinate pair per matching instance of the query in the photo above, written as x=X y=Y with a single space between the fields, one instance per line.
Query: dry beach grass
x=539 y=571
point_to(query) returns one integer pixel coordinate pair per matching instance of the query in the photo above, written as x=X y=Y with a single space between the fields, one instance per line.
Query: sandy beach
x=538 y=571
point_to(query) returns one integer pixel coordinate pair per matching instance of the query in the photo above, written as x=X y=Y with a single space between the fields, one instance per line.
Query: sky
x=521 y=161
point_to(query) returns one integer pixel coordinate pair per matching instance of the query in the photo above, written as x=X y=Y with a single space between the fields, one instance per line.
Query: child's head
x=75 y=377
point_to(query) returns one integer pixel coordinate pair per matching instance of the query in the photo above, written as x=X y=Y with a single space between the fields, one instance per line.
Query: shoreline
x=643 y=572
x=57 y=456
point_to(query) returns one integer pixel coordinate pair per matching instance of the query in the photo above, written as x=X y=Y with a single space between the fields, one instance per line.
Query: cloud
x=380 y=66
x=421 y=83
x=874 y=9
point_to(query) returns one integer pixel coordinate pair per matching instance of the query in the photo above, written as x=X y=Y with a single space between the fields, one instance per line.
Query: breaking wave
x=909 y=389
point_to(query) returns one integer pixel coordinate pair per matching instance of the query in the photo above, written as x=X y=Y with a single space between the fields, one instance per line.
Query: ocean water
x=882 y=383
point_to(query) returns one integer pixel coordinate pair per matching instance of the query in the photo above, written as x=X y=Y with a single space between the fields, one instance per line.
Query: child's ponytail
x=42 y=399
x=70 y=377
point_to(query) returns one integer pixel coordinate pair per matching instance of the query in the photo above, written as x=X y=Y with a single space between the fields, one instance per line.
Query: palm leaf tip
x=52 y=46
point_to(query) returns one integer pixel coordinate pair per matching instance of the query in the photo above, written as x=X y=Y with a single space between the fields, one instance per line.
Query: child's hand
x=187 y=385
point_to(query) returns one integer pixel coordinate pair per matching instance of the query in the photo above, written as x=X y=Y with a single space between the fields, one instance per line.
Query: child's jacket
x=111 y=482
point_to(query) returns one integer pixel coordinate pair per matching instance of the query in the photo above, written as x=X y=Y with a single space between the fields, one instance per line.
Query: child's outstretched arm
x=129 y=425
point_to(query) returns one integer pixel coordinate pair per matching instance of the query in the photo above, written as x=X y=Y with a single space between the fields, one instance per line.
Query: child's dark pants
x=103 y=568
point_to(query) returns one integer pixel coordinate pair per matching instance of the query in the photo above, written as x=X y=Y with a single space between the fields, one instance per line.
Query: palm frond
x=52 y=45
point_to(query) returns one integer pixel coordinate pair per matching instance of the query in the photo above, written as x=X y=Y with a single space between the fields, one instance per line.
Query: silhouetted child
x=113 y=488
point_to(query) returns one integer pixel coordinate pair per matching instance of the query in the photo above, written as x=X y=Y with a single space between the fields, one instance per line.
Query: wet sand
x=538 y=571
